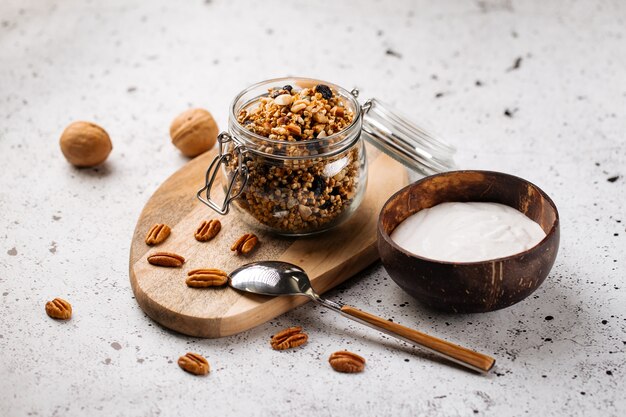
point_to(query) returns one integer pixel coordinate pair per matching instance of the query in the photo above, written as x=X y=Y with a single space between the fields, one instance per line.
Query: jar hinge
x=211 y=173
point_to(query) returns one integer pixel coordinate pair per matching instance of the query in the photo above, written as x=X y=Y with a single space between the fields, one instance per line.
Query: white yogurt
x=467 y=232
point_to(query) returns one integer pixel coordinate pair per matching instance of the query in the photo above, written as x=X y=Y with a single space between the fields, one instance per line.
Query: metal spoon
x=282 y=278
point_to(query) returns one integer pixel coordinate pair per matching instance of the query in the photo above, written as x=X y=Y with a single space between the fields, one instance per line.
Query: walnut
x=85 y=144
x=194 y=132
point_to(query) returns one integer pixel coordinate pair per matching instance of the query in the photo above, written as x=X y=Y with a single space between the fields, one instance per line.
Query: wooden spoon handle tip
x=458 y=354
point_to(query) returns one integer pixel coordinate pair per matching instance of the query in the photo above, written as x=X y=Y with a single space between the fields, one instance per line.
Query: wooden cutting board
x=329 y=258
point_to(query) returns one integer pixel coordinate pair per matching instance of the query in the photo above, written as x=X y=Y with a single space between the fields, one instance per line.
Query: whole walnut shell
x=194 y=132
x=85 y=144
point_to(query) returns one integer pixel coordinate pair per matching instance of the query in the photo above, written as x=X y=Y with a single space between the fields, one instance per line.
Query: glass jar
x=308 y=186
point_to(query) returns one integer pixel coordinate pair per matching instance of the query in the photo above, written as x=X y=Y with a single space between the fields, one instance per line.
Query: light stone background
x=131 y=66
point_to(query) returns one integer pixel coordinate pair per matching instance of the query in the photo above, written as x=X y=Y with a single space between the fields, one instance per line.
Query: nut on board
x=194 y=132
x=85 y=144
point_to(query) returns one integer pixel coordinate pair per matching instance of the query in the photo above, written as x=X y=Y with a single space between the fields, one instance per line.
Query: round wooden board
x=329 y=258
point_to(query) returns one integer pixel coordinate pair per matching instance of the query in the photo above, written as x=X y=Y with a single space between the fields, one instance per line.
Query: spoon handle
x=458 y=354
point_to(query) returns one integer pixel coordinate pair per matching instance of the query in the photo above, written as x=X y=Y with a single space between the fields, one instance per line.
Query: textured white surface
x=132 y=66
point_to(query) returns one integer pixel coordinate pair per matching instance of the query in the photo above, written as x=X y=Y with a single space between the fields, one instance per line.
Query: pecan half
x=194 y=364
x=168 y=259
x=289 y=338
x=59 y=309
x=347 y=362
x=157 y=234
x=245 y=244
x=208 y=230
x=205 y=277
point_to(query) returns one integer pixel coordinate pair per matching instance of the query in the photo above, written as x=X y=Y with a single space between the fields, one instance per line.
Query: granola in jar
x=306 y=170
x=297 y=115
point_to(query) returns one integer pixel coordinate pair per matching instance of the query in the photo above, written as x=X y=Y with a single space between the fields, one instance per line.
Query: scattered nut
x=208 y=230
x=245 y=244
x=157 y=234
x=289 y=338
x=204 y=277
x=194 y=132
x=194 y=364
x=347 y=362
x=167 y=259
x=85 y=144
x=59 y=309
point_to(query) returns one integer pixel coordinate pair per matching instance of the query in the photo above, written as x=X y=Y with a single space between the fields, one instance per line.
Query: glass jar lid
x=395 y=134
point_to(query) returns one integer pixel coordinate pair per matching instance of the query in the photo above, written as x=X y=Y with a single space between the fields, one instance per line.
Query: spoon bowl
x=270 y=278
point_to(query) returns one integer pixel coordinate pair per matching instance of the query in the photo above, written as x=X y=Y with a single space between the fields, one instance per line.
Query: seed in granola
x=305 y=212
x=320 y=119
x=324 y=90
x=347 y=362
x=206 y=277
x=208 y=230
x=298 y=107
x=194 y=364
x=288 y=88
x=245 y=244
x=318 y=185
x=294 y=129
x=289 y=338
x=59 y=309
x=157 y=234
x=283 y=100
x=337 y=111
x=166 y=259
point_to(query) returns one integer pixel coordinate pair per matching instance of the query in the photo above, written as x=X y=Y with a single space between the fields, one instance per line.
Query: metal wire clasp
x=368 y=103
x=211 y=173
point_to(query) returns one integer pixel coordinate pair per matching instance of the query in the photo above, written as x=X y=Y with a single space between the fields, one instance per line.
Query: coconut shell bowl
x=470 y=287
